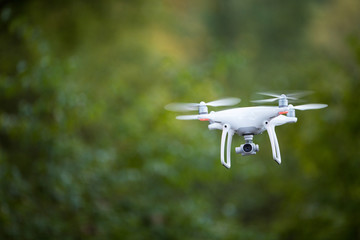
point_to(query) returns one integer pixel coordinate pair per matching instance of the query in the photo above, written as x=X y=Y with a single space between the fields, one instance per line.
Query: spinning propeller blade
x=179 y=107
x=310 y=106
x=265 y=100
x=290 y=96
x=224 y=102
x=298 y=95
x=269 y=94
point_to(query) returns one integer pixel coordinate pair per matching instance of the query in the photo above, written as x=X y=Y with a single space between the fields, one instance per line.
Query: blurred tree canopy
x=87 y=150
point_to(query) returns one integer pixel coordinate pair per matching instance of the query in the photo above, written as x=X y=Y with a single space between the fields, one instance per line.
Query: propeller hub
x=203 y=108
x=283 y=101
x=291 y=111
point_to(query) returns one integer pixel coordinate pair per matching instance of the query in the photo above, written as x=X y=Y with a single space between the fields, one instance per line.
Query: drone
x=246 y=121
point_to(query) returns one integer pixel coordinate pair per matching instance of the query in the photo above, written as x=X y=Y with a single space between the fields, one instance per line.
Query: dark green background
x=87 y=150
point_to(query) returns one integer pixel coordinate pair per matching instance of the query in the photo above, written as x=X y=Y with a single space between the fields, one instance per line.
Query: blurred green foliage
x=87 y=150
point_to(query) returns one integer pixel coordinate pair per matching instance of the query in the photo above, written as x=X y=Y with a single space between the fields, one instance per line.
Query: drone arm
x=229 y=132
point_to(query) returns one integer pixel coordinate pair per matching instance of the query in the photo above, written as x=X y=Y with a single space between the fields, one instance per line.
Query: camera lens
x=247 y=147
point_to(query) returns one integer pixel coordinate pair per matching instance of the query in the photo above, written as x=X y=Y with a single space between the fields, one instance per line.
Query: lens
x=247 y=147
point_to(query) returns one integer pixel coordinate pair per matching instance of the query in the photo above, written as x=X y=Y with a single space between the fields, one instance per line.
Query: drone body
x=246 y=122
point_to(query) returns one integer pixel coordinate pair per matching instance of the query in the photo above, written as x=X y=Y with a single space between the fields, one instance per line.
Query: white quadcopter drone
x=246 y=121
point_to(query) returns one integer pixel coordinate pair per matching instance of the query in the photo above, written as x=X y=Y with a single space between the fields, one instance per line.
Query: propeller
x=291 y=109
x=310 y=106
x=194 y=106
x=290 y=96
